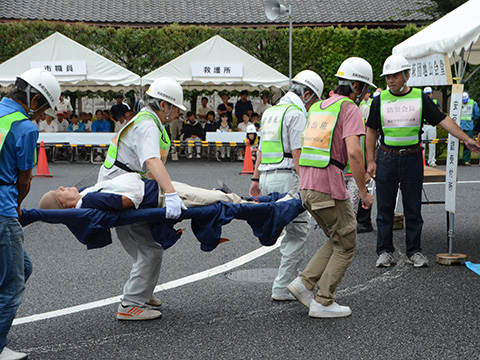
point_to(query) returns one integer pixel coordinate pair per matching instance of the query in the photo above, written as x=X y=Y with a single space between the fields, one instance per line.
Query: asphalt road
x=402 y=312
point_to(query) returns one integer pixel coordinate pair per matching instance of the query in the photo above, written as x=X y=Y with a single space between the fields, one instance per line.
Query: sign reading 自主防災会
x=217 y=70
x=59 y=68
x=432 y=70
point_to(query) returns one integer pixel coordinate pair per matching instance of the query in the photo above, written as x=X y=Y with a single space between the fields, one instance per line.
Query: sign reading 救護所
x=217 y=70
x=430 y=71
x=59 y=68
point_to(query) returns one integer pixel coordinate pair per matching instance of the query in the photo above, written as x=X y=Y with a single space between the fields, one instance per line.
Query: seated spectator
x=38 y=119
x=226 y=108
x=210 y=124
x=243 y=105
x=255 y=121
x=128 y=115
x=100 y=125
x=120 y=123
x=107 y=116
x=84 y=118
x=254 y=140
x=48 y=126
x=62 y=123
x=224 y=127
x=264 y=106
x=75 y=125
x=203 y=110
x=242 y=127
x=64 y=105
x=193 y=130
x=119 y=109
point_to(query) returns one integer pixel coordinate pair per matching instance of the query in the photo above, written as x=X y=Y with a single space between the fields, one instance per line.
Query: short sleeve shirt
x=330 y=180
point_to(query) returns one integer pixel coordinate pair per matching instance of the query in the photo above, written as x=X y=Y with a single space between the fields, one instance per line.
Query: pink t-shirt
x=330 y=180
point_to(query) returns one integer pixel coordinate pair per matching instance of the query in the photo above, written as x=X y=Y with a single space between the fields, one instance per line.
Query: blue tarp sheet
x=92 y=227
x=474 y=267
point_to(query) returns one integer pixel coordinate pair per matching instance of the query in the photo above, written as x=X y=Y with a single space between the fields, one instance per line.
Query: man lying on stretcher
x=128 y=191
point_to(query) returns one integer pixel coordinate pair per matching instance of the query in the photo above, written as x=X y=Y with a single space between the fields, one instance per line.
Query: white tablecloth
x=237 y=137
x=76 y=138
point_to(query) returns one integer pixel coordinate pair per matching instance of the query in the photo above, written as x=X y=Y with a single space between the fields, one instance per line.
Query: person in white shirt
x=120 y=123
x=263 y=106
x=48 y=126
x=62 y=124
x=64 y=104
x=203 y=110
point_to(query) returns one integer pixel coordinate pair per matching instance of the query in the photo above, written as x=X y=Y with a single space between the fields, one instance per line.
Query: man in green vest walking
x=277 y=169
x=470 y=113
x=398 y=114
x=35 y=91
x=142 y=146
x=330 y=140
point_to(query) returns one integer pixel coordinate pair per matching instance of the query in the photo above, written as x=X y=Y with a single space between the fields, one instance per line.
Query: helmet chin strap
x=30 y=112
x=357 y=97
x=403 y=86
x=166 y=115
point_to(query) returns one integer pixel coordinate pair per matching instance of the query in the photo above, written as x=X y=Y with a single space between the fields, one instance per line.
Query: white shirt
x=61 y=126
x=262 y=107
x=119 y=126
x=138 y=143
x=243 y=127
x=293 y=125
x=203 y=111
x=88 y=125
x=64 y=106
x=52 y=128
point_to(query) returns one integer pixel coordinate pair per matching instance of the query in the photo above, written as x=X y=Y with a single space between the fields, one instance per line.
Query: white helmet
x=251 y=129
x=50 y=113
x=428 y=90
x=44 y=83
x=395 y=64
x=356 y=69
x=465 y=97
x=169 y=90
x=311 y=79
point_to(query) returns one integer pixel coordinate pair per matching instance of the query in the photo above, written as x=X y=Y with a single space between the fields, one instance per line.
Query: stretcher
x=92 y=227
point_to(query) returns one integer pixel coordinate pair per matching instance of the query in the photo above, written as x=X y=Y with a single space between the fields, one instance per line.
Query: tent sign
x=453 y=145
x=217 y=70
x=59 y=68
x=430 y=70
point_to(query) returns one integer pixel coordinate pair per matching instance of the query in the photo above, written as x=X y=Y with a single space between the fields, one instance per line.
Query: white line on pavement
x=169 y=285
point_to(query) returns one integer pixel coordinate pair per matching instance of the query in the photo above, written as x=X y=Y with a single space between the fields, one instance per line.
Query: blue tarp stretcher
x=92 y=227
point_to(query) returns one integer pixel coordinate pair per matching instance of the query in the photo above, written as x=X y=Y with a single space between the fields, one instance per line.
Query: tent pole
x=469 y=76
x=290 y=18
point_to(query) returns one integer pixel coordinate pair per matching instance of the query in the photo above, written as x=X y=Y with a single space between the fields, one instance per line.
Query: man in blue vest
x=470 y=113
x=35 y=91
x=398 y=114
x=277 y=169
x=142 y=146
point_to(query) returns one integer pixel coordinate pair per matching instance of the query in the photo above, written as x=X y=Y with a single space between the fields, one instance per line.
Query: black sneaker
x=364 y=228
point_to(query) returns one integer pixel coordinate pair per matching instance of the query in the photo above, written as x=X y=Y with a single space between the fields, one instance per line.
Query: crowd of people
x=307 y=145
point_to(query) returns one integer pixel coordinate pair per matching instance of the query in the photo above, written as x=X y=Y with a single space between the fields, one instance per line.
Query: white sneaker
x=98 y=158
x=418 y=260
x=284 y=297
x=154 y=302
x=136 y=313
x=190 y=156
x=8 y=354
x=199 y=156
x=300 y=291
x=385 y=259
x=331 y=311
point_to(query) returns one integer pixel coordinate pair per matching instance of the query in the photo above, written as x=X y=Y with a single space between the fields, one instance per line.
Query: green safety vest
x=467 y=111
x=6 y=124
x=368 y=103
x=318 y=134
x=272 y=122
x=111 y=158
x=401 y=118
x=348 y=170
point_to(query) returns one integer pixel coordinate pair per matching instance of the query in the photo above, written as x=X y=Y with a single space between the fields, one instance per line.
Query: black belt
x=123 y=166
x=401 y=152
x=279 y=169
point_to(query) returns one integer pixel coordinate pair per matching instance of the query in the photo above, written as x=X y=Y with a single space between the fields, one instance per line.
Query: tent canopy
x=455 y=31
x=100 y=74
x=250 y=74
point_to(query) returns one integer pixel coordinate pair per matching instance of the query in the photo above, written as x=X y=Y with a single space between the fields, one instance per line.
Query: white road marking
x=169 y=285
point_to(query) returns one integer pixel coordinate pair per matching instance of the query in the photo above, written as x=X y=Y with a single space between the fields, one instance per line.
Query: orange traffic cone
x=42 y=166
x=247 y=160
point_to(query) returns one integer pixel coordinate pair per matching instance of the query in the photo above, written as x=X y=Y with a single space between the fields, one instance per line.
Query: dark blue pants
x=392 y=171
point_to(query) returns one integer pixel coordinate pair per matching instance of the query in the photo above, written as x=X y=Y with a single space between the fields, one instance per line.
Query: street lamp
x=273 y=10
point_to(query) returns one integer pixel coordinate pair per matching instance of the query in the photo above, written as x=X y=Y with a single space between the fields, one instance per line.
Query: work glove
x=174 y=206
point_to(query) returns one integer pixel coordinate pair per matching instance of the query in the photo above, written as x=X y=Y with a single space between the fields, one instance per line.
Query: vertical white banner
x=453 y=145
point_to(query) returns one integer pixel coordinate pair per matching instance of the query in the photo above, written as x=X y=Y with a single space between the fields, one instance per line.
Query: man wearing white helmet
x=330 y=140
x=470 y=113
x=277 y=168
x=35 y=91
x=397 y=114
x=142 y=146
x=430 y=132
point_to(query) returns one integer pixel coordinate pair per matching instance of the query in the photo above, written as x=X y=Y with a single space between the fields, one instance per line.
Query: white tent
x=217 y=54
x=456 y=35
x=96 y=72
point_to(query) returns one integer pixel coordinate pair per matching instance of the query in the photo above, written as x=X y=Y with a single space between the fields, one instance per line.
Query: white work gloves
x=174 y=206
